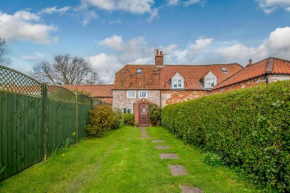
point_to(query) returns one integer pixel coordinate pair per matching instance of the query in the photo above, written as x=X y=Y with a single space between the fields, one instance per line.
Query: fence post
x=45 y=121
x=77 y=117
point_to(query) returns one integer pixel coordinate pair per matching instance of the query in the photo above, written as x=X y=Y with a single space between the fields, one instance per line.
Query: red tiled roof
x=267 y=66
x=153 y=77
x=93 y=90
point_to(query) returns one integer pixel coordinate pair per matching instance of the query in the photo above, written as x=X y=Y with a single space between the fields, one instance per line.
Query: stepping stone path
x=188 y=189
x=157 y=141
x=177 y=170
x=168 y=156
x=144 y=134
x=162 y=147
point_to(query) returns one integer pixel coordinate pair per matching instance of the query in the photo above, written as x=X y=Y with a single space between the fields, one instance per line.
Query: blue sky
x=112 y=33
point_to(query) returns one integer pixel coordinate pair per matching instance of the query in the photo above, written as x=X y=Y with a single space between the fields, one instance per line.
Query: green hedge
x=249 y=128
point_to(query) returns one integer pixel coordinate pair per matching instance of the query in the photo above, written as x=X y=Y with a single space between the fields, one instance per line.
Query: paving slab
x=189 y=189
x=168 y=156
x=162 y=147
x=177 y=170
x=157 y=141
x=144 y=134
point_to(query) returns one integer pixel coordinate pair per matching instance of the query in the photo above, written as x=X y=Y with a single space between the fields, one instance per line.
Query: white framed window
x=139 y=71
x=127 y=110
x=142 y=94
x=210 y=82
x=131 y=94
x=177 y=81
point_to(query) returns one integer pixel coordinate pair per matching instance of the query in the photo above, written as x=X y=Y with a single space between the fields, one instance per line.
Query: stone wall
x=121 y=100
x=275 y=78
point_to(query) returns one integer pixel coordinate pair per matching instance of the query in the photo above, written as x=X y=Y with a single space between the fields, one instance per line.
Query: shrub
x=248 y=128
x=118 y=119
x=155 y=114
x=101 y=120
x=129 y=119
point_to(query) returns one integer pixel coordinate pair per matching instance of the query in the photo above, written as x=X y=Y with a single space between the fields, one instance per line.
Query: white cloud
x=153 y=14
x=278 y=44
x=203 y=51
x=24 y=25
x=269 y=6
x=51 y=10
x=132 y=6
x=201 y=43
x=106 y=65
x=88 y=16
x=115 y=42
x=191 y=2
x=173 y=2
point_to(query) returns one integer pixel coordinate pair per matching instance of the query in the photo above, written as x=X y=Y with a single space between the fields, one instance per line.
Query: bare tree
x=3 y=59
x=66 y=70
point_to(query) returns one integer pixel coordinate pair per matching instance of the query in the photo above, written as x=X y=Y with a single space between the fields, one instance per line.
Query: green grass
x=123 y=162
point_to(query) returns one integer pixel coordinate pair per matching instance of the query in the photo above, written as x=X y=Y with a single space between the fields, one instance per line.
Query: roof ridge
x=185 y=64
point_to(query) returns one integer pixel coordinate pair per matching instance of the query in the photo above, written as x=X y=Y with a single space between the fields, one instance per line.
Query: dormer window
x=224 y=70
x=139 y=71
x=177 y=81
x=210 y=80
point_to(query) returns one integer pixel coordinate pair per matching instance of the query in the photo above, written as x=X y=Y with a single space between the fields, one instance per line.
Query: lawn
x=121 y=161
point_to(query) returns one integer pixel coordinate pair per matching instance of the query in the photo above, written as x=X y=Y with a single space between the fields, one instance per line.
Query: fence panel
x=21 y=123
x=84 y=106
x=61 y=117
x=35 y=119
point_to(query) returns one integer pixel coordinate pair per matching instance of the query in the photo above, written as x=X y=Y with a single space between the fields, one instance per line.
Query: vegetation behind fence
x=36 y=119
x=249 y=128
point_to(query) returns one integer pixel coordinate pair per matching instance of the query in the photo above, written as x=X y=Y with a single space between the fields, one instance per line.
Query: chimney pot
x=250 y=61
x=158 y=58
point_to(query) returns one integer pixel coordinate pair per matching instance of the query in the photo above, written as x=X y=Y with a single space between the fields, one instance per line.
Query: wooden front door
x=143 y=114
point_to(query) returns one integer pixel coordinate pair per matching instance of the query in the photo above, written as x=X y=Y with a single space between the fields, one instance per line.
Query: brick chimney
x=158 y=58
x=250 y=62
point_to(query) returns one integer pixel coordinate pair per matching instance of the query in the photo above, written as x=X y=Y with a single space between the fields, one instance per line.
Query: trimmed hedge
x=249 y=129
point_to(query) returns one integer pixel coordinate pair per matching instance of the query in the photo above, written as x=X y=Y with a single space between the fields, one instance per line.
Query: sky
x=113 y=33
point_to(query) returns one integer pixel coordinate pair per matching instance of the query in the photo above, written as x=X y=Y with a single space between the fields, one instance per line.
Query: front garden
x=122 y=161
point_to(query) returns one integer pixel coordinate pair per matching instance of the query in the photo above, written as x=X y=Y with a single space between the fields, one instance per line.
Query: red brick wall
x=177 y=96
x=246 y=84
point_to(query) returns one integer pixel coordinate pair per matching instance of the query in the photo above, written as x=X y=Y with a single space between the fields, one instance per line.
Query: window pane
x=131 y=94
x=129 y=110
x=143 y=94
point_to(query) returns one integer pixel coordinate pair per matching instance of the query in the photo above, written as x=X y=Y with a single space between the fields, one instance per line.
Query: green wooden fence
x=36 y=119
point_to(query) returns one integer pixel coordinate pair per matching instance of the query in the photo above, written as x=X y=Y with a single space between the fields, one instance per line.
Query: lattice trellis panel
x=13 y=81
x=60 y=93
x=84 y=99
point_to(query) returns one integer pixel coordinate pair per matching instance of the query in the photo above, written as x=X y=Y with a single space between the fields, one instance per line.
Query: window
x=131 y=94
x=224 y=70
x=142 y=94
x=210 y=82
x=139 y=71
x=177 y=81
x=127 y=110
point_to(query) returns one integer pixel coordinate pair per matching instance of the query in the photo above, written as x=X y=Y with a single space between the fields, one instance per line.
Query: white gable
x=177 y=81
x=210 y=80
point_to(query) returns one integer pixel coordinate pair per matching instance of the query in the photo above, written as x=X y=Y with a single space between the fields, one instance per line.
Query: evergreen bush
x=101 y=120
x=155 y=114
x=248 y=128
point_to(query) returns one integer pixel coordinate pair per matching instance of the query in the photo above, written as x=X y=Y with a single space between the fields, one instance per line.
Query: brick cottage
x=137 y=86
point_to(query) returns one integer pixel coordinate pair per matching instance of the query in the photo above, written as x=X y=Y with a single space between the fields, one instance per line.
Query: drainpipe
x=160 y=99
